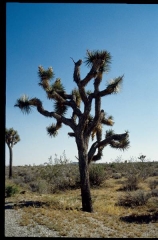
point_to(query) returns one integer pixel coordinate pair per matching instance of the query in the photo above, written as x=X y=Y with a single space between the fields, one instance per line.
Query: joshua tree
x=11 y=138
x=84 y=125
x=142 y=158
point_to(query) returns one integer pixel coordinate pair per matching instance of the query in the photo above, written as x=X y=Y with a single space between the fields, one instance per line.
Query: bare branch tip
x=72 y=60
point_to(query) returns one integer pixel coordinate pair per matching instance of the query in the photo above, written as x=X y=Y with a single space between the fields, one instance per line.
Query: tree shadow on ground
x=22 y=204
x=143 y=218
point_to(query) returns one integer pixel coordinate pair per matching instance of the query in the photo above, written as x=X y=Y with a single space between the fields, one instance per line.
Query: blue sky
x=48 y=35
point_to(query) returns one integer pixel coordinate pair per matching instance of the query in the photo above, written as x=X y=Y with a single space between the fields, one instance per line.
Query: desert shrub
x=73 y=176
x=154 y=192
x=116 y=175
x=34 y=187
x=155 y=173
x=112 y=165
x=43 y=187
x=60 y=184
x=40 y=186
x=153 y=184
x=97 y=174
x=29 y=178
x=133 y=199
x=20 y=182
x=131 y=184
x=21 y=173
x=67 y=178
x=11 y=190
x=60 y=174
x=141 y=168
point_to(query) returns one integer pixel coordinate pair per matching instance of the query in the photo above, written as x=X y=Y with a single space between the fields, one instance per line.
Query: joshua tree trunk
x=84 y=176
x=10 y=162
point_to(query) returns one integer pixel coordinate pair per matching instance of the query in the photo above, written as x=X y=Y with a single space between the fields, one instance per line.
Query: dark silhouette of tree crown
x=99 y=62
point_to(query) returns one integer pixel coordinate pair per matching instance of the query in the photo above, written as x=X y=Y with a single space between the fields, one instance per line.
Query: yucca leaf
x=51 y=130
x=109 y=133
x=121 y=145
x=58 y=86
x=114 y=85
x=95 y=55
x=60 y=108
x=45 y=74
x=23 y=104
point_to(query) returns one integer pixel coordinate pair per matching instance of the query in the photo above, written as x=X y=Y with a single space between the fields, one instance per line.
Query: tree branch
x=77 y=79
x=76 y=74
x=92 y=74
x=113 y=140
x=97 y=120
x=35 y=102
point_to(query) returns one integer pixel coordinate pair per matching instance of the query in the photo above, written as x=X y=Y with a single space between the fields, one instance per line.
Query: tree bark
x=10 y=162
x=84 y=176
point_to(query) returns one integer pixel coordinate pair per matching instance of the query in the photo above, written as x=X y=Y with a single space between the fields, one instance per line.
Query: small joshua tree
x=83 y=124
x=11 y=138
x=142 y=158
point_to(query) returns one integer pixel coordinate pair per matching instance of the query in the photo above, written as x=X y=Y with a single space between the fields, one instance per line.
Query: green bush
x=40 y=186
x=34 y=186
x=97 y=174
x=11 y=190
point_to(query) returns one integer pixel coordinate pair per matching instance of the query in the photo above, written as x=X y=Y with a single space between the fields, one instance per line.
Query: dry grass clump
x=153 y=184
x=62 y=213
x=133 y=199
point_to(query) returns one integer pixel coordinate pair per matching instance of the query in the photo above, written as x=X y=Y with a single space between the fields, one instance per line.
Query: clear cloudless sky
x=48 y=34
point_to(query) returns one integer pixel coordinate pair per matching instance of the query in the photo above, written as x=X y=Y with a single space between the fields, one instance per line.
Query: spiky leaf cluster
x=108 y=121
x=122 y=145
x=58 y=87
x=100 y=55
x=23 y=104
x=60 y=108
x=45 y=74
x=52 y=131
x=109 y=133
x=114 y=85
x=11 y=136
x=122 y=141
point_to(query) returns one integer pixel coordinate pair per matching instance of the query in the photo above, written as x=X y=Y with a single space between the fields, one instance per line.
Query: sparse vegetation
x=118 y=211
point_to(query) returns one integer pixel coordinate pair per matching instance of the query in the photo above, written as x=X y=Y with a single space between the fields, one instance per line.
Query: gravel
x=13 y=229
